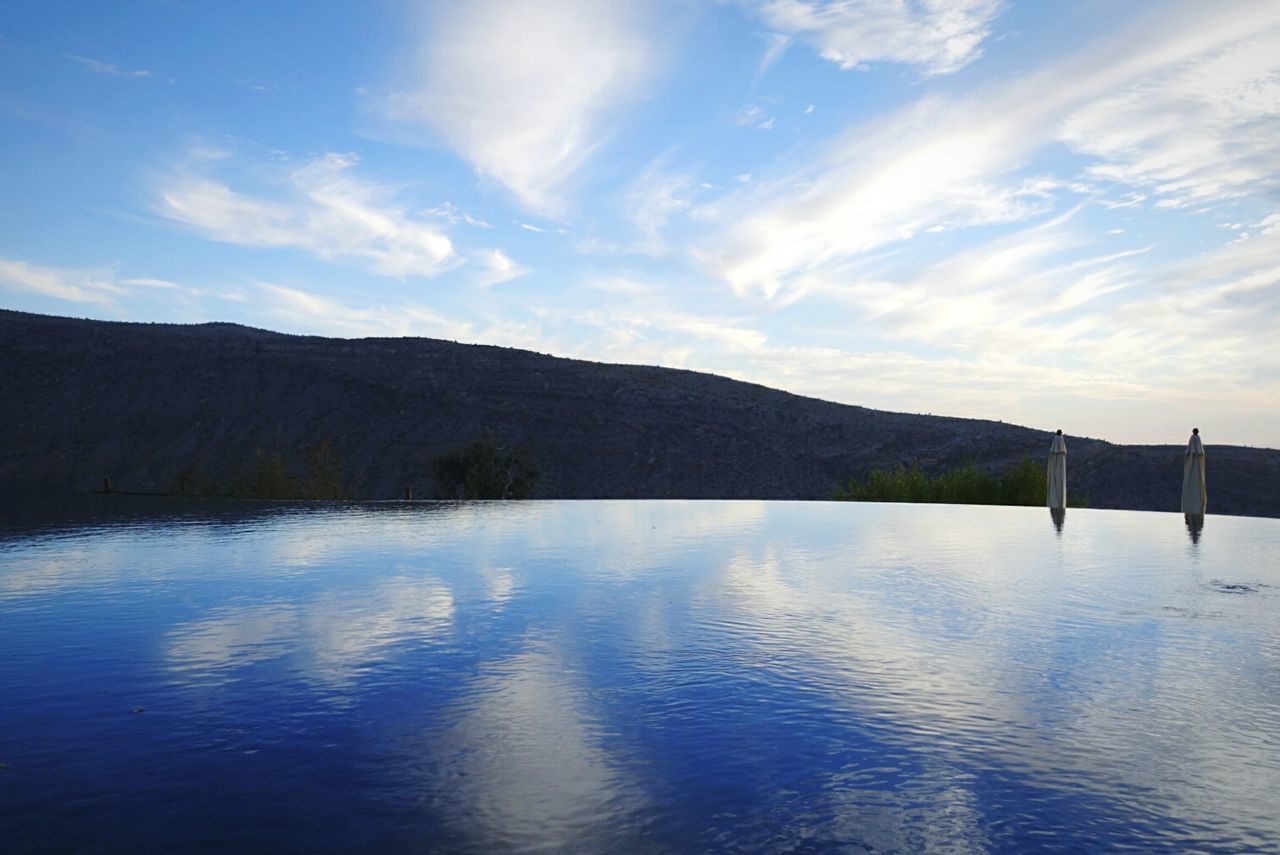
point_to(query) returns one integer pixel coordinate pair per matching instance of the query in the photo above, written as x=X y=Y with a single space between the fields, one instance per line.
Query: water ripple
x=637 y=676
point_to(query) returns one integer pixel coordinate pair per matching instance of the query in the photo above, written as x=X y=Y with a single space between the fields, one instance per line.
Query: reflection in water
x=1195 y=524
x=589 y=676
x=1059 y=517
x=524 y=763
x=330 y=637
x=1097 y=704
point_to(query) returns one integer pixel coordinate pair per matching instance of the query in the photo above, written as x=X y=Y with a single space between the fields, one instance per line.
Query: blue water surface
x=636 y=677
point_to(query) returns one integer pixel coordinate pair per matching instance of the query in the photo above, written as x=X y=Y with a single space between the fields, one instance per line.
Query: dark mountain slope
x=142 y=403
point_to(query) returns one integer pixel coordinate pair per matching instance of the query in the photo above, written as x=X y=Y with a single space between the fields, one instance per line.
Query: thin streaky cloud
x=931 y=165
x=656 y=196
x=323 y=209
x=939 y=38
x=1197 y=131
x=106 y=67
x=776 y=45
x=98 y=285
x=494 y=267
x=76 y=286
x=300 y=309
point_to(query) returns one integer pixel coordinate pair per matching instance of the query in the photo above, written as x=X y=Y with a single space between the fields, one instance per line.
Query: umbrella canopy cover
x=1058 y=472
x=1194 y=499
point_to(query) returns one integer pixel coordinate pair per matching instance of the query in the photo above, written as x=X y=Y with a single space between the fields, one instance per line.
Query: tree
x=485 y=470
x=271 y=477
x=324 y=478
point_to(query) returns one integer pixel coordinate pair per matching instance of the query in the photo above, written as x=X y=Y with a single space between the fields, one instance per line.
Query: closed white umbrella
x=1194 y=500
x=1058 y=472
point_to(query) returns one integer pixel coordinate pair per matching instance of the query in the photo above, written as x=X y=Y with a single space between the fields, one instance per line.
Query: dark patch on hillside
x=147 y=403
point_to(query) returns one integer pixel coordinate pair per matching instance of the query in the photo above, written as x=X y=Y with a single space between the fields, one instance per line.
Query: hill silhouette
x=168 y=407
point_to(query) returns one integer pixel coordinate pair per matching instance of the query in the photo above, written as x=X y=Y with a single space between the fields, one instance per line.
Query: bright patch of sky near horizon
x=1059 y=215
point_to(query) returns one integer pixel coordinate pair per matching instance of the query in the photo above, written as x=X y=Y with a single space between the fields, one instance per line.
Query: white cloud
x=748 y=115
x=684 y=327
x=308 y=313
x=1044 y=327
x=496 y=267
x=107 y=68
x=941 y=36
x=655 y=196
x=148 y=282
x=522 y=88
x=1203 y=128
x=296 y=310
x=776 y=45
x=1221 y=308
x=952 y=380
x=1033 y=327
x=1015 y=294
x=452 y=214
x=325 y=210
x=623 y=286
x=1050 y=323
x=78 y=286
x=929 y=165
x=939 y=164
x=100 y=285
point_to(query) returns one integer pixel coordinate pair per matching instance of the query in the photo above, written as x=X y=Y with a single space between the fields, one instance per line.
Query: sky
x=1062 y=215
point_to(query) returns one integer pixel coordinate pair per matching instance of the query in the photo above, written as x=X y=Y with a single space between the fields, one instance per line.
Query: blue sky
x=1060 y=215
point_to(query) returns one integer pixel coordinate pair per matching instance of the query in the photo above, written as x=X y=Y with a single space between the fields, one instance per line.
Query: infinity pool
x=636 y=676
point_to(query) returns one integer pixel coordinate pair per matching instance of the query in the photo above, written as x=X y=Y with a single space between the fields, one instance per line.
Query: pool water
x=636 y=676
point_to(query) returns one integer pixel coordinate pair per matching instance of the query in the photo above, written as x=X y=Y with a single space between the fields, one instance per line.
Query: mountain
x=156 y=407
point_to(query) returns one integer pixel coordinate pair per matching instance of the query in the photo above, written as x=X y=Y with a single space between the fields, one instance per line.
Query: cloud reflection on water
x=327 y=639
x=564 y=673
x=1048 y=670
x=524 y=763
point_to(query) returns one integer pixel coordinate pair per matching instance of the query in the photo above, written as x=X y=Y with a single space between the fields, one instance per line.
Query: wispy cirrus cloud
x=296 y=309
x=1070 y=328
x=1035 y=291
x=939 y=36
x=102 y=287
x=1202 y=129
x=322 y=208
x=651 y=330
x=495 y=267
x=1035 y=313
x=929 y=166
x=658 y=193
x=943 y=163
x=1214 y=315
x=63 y=283
x=1039 y=321
x=303 y=310
x=521 y=89
x=107 y=68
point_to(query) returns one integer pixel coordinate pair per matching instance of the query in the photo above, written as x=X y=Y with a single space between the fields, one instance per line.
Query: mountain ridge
x=145 y=403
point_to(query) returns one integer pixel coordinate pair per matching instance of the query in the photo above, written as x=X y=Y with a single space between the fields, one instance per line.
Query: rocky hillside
x=156 y=406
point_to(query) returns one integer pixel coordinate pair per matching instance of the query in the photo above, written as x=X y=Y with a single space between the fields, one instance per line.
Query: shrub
x=324 y=472
x=485 y=470
x=1023 y=484
x=271 y=477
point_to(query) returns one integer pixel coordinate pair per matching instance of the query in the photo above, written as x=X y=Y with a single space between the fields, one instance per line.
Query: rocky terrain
x=159 y=408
